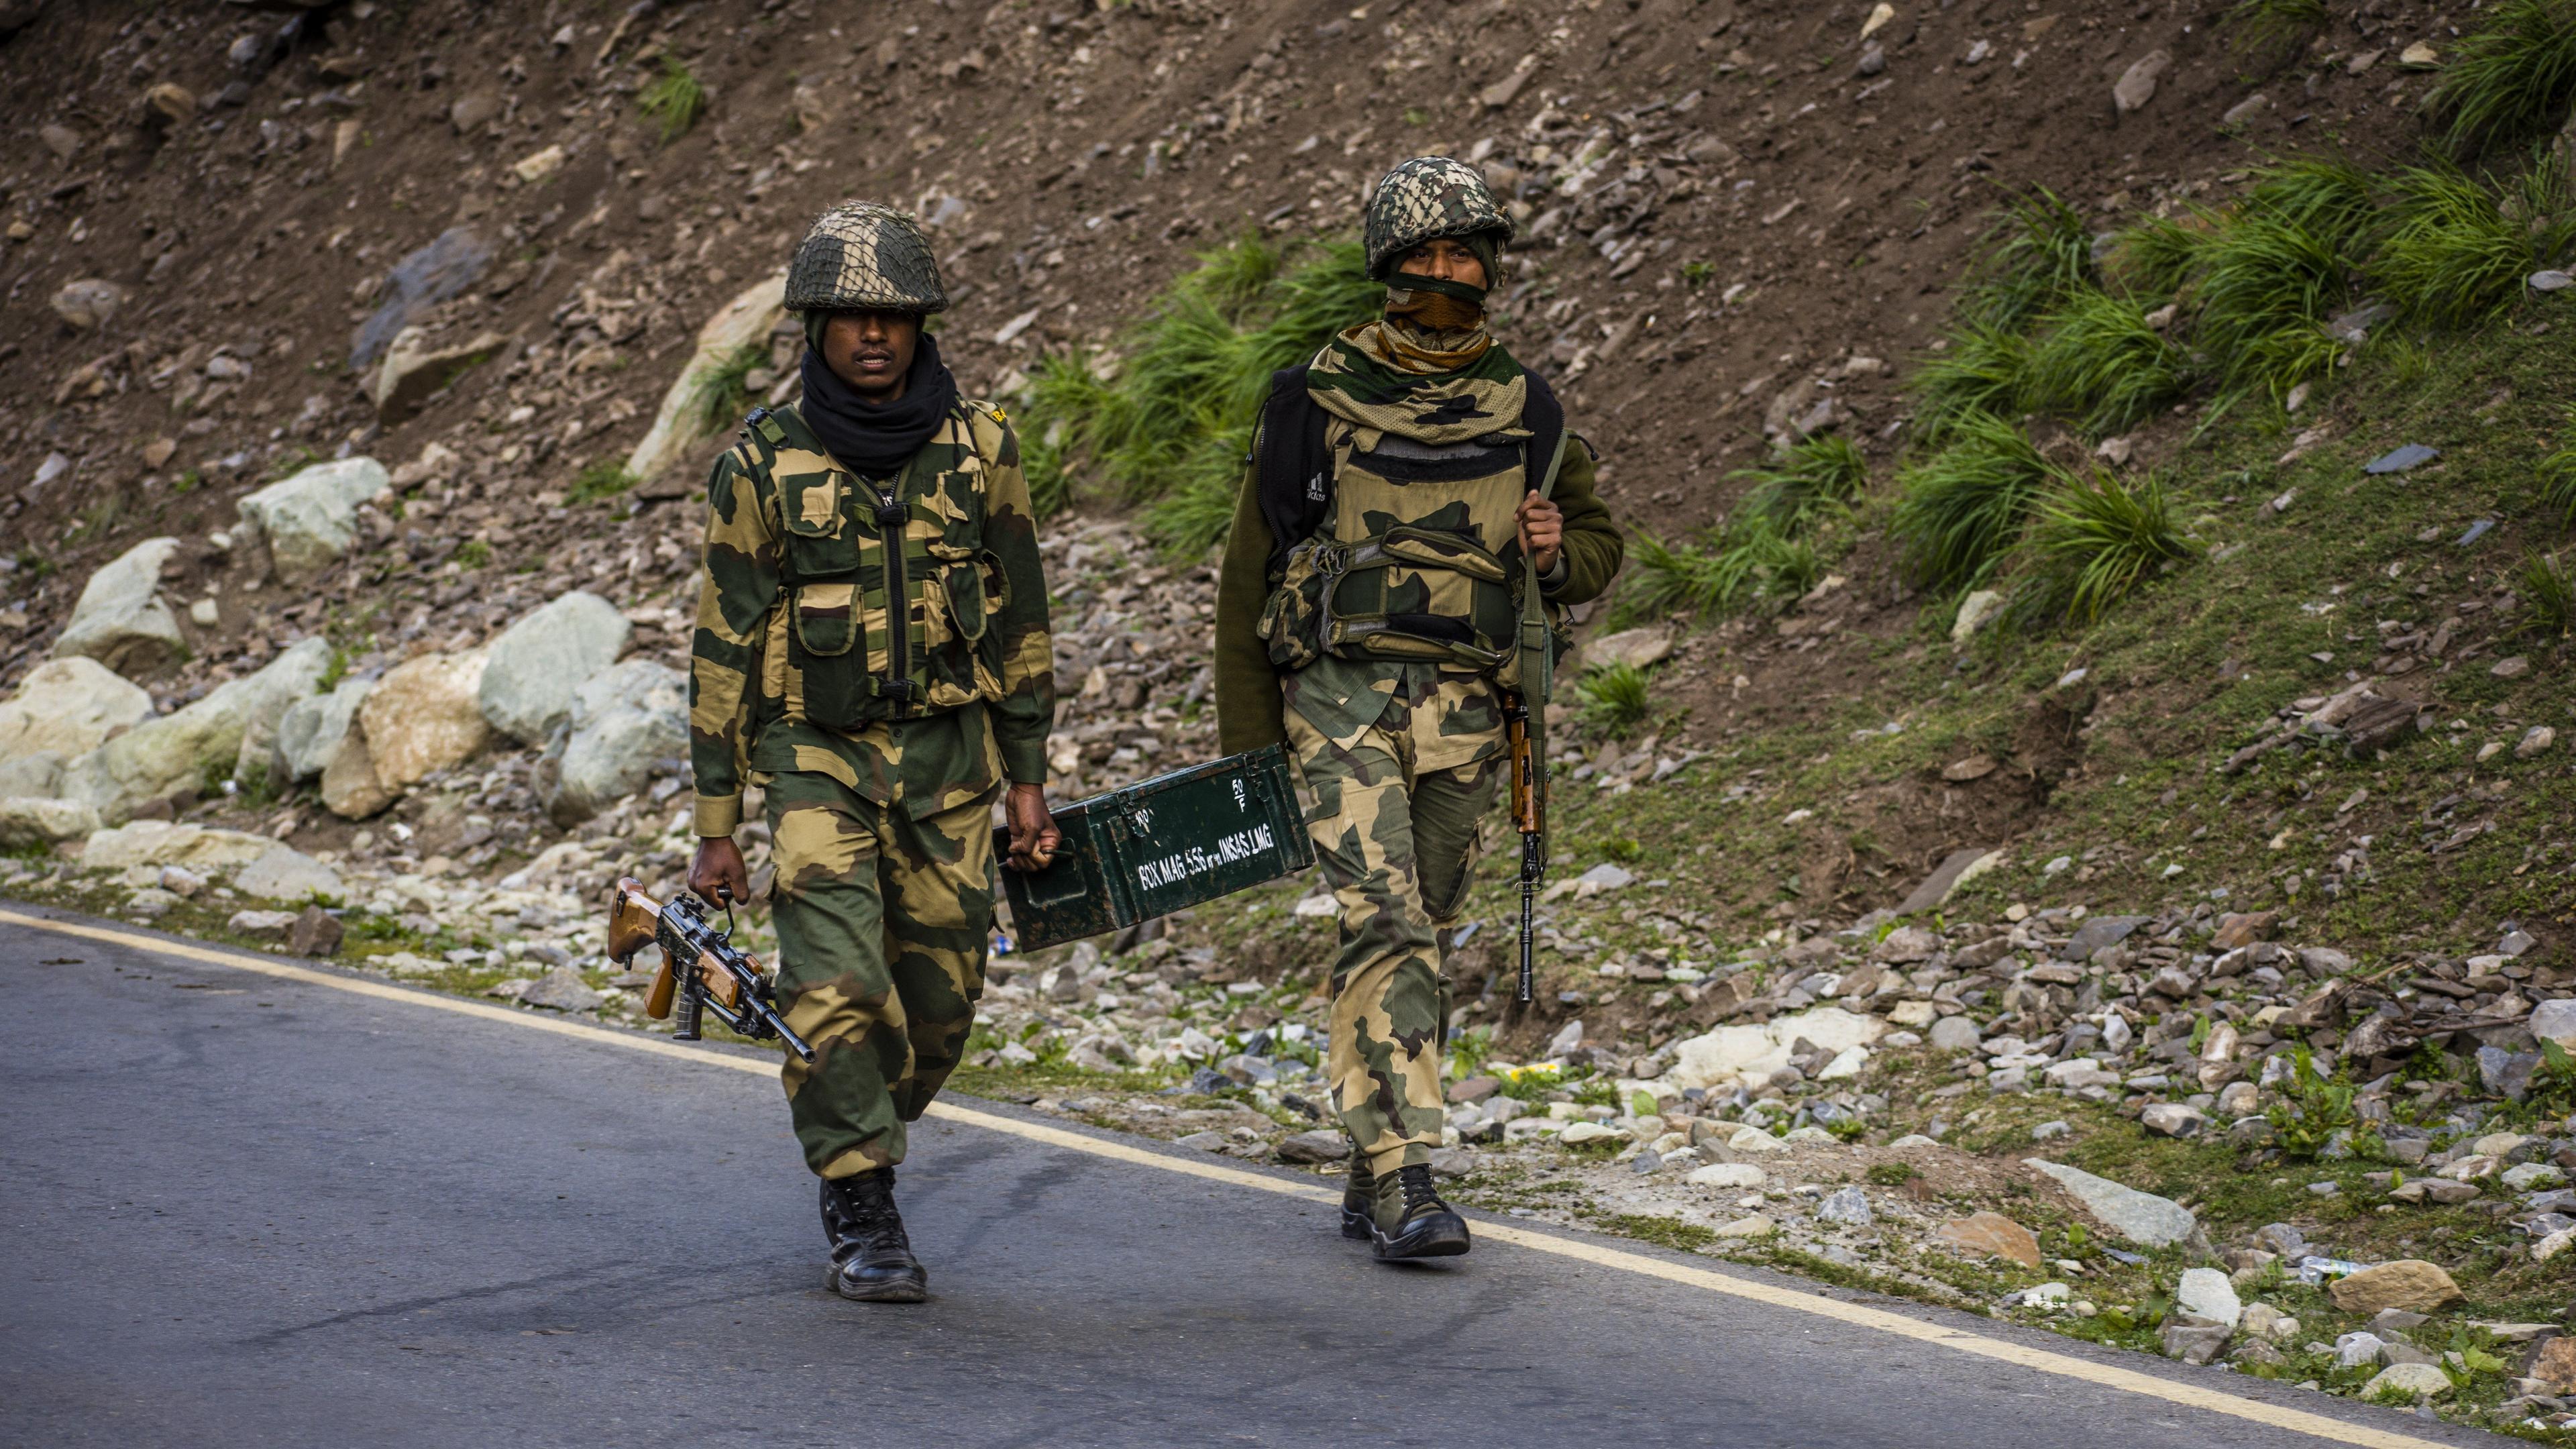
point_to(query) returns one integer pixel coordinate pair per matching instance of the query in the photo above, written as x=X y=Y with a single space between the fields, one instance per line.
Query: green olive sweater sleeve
x=1593 y=546
x=1248 y=710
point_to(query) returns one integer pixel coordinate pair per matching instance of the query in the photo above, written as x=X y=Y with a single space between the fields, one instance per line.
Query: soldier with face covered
x=872 y=648
x=1408 y=487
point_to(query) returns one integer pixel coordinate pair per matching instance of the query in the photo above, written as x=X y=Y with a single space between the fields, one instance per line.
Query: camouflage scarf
x=1426 y=369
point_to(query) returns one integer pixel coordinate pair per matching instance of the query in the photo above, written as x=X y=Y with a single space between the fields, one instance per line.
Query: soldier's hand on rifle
x=717 y=869
x=1542 y=530
x=1034 y=837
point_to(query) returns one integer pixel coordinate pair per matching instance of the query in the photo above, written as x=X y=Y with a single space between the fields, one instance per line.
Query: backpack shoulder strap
x=1292 y=469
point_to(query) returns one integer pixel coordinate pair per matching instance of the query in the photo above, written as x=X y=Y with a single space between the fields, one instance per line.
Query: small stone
x=1576 y=1134
x=1325 y=1144
x=1992 y=1234
x=2137 y=85
x=538 y=165
x=89 y=304
x=261 y=923
x=2535 y=741
x=2551 y=280
x=2352 y=1350
x=1474 y=1089
x=1979 y=607
x=2269 y=1322
x=1210 y=1140
x=561 y=989
x=2409 y=1283
x=1754 y=1226
x=2193 y=1342
x=317 y=932
x=2239 y=1099
x=2140 y=1217
x=2415 y=1380
x=2239 y=929
x=1733 y=1176
x=1954 y=1034
x=2398 y=460
x=2173 y=1119
x=1754 y=1139
x=2246 y=111
x=2206 y=1293
x=2555 y=1365
x=1848 y=1206
x=2512 y=667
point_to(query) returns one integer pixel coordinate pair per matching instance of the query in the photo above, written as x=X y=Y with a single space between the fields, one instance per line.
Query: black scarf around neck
x=872 y=439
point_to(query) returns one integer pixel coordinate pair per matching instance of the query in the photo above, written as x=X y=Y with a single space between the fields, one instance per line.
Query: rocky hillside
x=2149 y=975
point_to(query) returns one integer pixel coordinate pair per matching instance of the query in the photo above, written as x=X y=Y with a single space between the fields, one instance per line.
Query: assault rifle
x=1529 y=816
x=718 y=976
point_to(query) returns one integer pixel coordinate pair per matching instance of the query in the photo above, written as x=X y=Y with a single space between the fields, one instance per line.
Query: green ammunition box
x=1158 y=846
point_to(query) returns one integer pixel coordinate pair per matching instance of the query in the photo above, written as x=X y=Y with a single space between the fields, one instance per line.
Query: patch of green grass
x=1663 y=1232
x=1810 y=479
x=474 y=553
x=723 y=389
x=2100 y=362
x=674 y=100
x=2155 y=255
x=1617 y=697
x=2308 y=1109
x=604 y=479
x=2278 y=269
x=1695 y=275
x=2558 y=486
x=2041 y=254
x=1984 y=371
x=1730 y=571
x=2548 y=596
x=2510 y=80
x=1961 y=510
x=1164 y=417
x=2095 y=539
x=2272 y=25
x=2458 y=246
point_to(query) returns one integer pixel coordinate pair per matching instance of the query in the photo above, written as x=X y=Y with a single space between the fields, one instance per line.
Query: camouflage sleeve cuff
x=1025 y=761
x=719 y=815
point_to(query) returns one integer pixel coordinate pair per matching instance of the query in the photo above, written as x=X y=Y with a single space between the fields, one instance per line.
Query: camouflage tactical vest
x=1416 y=563
x=887 y=591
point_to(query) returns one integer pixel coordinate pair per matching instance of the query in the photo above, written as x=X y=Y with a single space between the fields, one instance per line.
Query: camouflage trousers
x=1398 y=805
x=883 y=922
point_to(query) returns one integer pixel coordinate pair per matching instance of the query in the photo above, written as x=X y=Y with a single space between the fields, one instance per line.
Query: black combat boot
x=1410 y=1221
x=872 y=1260
x=1359 y=1198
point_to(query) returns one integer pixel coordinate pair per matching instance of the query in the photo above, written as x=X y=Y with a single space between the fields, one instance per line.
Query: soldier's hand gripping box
x=1158 y=846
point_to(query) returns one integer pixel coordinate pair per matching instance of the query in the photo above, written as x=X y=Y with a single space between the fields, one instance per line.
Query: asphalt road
x=245 y=1211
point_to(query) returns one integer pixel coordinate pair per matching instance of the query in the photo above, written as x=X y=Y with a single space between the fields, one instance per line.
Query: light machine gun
x=719 y=977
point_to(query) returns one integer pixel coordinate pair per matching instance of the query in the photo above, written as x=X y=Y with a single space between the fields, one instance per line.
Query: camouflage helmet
x=1425 y=198
x=862 y=256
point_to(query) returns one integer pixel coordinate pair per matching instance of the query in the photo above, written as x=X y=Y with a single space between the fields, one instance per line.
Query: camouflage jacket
x=796 y=663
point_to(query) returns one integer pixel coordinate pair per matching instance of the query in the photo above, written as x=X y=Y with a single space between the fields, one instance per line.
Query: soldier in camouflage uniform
x=1407 y=488
x=872 y=649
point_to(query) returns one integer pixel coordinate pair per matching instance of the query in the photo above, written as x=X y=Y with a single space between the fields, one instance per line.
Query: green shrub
x=2310 y=1109
x=1804 y=481
x=1960 y=511
x=1616 y=697
x=2094 y=540
x=2457 y=249
x=2548 y=597
x=2510 y=80
x=674 y=99
x=603 y=479
x=2558 y=486
x=723 y=389
x=2040 y=253
x=2098 y=361
x=1983 y=372
x=1162 y=419
x=2278 y=269
x=1729 y=571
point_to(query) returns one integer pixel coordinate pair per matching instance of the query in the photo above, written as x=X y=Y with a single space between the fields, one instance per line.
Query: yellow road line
x=2187 y=1395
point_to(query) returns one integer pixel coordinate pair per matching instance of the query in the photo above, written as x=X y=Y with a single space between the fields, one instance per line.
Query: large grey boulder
x=121 y=620
x=538 y=662
x=26 y=822
x=312 y=730
x=2140 y=1217
x=158 y=756
x=159 y=842
x=679 y=427
x=69 y=707
x=308 y=520
x=623 y=719
x=38 y=776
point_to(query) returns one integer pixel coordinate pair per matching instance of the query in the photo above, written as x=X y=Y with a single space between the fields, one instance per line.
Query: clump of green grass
x=474 y=553
x=1616 y=697
x=2558 y=486
x=2510 y=80
x=2095 y=539
x=2099 y=361
x=2156 y=255
x=2310 y=1109
x=2279 y=269
x=675 y=99
x=2458 y=246
x=1729 y=571
x=2548 y=596
x=2272 y=25
x=1961 y=510
x=1984 y=371
x=1804 y=482
x=1162 y=420
x=724 y=387
x=601 y=480
x=2042 y=253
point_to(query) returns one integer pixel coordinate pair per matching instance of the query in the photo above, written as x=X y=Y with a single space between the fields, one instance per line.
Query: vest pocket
x=827 y=618
x=817 y=542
